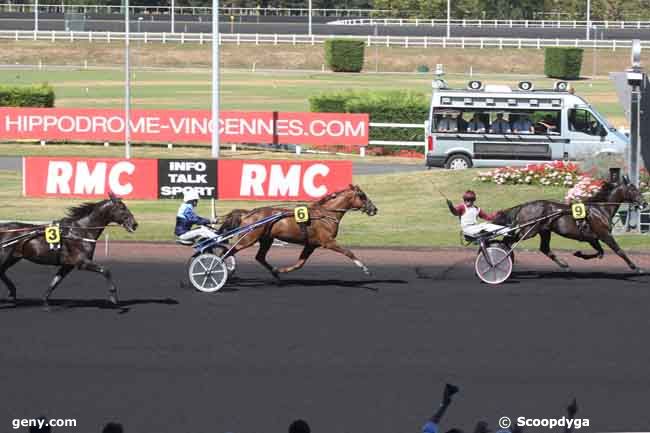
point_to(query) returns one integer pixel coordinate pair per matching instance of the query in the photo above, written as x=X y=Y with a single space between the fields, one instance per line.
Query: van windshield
x=538 y=122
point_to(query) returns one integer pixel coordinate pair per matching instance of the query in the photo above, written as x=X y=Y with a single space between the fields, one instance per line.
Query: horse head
x=361 y=201
x=630 y=193
x=118 y=213
x=352 y=197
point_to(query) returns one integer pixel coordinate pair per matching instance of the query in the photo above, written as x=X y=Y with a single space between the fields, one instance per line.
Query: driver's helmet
x=190 y=195
x=469 y=196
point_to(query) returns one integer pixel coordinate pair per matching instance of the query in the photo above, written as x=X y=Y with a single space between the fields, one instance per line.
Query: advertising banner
x=178 y=175
x=183 y=126
x=90 y=177
x=281 y=180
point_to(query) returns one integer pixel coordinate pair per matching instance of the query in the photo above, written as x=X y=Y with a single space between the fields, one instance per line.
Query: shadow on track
x=570 y=275
x=361 y=284
x=69 y=304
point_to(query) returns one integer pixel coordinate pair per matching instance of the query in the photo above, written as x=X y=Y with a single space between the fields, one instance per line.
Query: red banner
x=90 y=177
x=183 y=126
x=281 y=180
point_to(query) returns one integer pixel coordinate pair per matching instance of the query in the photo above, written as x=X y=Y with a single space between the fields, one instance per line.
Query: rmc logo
x=84 y=178
x=258 y=180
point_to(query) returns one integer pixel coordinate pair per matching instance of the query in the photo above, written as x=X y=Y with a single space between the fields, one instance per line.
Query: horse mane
x=331 y=196
x=507 y=217
x=84 y=209
x=603 y=194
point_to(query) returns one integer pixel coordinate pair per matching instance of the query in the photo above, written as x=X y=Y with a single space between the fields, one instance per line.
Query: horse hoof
x=113 y=299
x=639 y=271
x=276 y=273
x=367 y=271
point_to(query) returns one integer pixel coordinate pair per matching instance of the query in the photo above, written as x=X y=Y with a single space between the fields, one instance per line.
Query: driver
x=186 y=218
x=469 y=214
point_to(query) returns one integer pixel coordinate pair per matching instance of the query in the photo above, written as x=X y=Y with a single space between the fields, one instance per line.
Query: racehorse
x=325 y=215
x=601 y=209
x=79 y=232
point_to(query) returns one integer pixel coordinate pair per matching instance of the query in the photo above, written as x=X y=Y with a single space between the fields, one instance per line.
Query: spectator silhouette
x=299 y=426
x=113 y=427
x=45 y=429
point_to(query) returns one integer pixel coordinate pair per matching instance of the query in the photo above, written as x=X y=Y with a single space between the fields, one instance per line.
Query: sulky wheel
x=231 y=261
x=207 y=272
x=497 y=269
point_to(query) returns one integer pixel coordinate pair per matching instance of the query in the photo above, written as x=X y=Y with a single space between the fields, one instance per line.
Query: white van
x=495 y=126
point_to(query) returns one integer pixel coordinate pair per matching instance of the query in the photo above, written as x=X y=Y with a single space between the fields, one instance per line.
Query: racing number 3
x=52 y=235
x=301 y=214
x=578 y=211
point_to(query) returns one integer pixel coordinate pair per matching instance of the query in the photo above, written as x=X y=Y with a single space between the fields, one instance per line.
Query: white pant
x=199 y=232
x=475 y=229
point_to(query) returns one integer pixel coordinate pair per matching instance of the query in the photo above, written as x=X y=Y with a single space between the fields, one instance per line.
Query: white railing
x=400 y=143
x=295 y=39
x=186 y=10
x=558 y=24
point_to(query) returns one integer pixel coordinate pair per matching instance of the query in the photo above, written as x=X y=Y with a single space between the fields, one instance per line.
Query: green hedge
x=343 y=55
x=41 y=95
x=387 y=106
x=564 y=63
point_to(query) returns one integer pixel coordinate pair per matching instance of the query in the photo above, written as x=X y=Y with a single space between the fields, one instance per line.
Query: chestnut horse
x=597 y=227
x=325 y=215
x=79 y=233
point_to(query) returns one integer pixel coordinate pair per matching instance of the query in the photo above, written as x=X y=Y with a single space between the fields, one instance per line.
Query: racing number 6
x=301 y=214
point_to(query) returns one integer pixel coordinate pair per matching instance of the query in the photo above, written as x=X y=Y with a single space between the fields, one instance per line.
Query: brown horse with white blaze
x=321 y=230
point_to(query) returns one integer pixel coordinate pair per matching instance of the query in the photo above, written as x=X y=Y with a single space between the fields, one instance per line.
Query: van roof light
x=525 y=86
x=561 y=86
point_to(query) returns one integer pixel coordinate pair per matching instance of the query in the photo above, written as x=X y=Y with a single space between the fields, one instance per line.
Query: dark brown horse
x=325 y=215
x=79 y=233
x=597 y=227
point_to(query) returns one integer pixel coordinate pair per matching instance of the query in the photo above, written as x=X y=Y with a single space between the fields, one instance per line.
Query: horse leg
x=332 y=245
x=545 y=248
x=611 y=242
x=304 y=255
x=265 y=246
x=60 y=275
x=5 y=279
x=596 y=246
x=95 y=267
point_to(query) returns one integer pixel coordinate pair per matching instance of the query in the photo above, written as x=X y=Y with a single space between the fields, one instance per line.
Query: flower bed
x=556 y=173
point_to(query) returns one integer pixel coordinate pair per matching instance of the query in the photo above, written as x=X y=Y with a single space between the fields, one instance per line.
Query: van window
x=584 y=121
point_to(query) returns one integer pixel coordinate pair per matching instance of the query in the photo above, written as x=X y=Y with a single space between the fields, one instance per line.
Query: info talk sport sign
x=150 y=179
x=183 y=126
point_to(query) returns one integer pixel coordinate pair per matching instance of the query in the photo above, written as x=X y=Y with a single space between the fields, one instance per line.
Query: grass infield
x=411 y=211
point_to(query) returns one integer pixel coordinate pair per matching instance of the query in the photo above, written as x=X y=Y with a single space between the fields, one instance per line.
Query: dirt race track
x=348 y=353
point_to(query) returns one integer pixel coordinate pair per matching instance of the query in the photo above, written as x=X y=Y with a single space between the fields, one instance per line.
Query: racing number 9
x=578 y=211
x=301 y=214
x=52 y=235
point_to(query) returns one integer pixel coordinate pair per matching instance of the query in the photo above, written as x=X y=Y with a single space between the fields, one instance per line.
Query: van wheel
x=458 y=162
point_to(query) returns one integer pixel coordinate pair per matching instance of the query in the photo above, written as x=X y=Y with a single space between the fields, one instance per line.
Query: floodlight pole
x=172 y=17
x=127 y=84
x=215 y=79
x=36 y=15
x=635 y=78
x=310 y=17
x=448 y=18
x=588 y=18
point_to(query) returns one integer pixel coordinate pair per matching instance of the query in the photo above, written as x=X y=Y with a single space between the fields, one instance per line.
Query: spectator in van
x=549 y=123
x=523 y=125
x=448 y=124
x=500 y=125
x=475 y=124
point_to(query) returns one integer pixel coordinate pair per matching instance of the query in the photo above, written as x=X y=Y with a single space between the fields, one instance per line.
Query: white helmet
x=190 y=194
